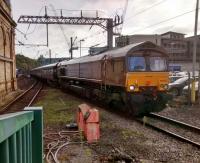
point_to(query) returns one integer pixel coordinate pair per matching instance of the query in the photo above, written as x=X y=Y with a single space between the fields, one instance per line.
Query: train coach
x=47 y=73
x=134 y=77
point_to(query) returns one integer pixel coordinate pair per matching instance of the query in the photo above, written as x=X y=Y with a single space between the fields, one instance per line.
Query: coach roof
x=46 y=66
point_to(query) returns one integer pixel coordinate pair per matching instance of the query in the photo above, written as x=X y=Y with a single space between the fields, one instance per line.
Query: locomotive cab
x=147 y=79
x=146 y=70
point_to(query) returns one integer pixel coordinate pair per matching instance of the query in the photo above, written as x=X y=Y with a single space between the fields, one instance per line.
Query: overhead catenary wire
x=34 y=29
x=24 y=34
x=124 y=14
x=166 y=20
x=92 y=35
x=145 y=9
x=72 y=11
x=61 y=27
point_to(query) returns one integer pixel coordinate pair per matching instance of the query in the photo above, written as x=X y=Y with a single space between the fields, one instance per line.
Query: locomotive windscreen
x=147 y=63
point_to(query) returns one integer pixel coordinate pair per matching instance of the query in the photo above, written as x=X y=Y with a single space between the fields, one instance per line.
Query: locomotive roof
x=116 y=53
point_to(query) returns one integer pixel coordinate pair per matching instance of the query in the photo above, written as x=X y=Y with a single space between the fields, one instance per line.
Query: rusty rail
x=172 y=134
x=176 y=122
x=35 y=96
x=4 y=109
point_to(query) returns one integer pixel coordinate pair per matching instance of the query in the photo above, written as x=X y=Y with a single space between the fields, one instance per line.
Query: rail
x=176 y=122
x=21 y=138
x=172 y=134
x=22 y=99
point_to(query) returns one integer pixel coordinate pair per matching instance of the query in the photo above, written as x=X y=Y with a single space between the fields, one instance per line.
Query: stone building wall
x=7 y=50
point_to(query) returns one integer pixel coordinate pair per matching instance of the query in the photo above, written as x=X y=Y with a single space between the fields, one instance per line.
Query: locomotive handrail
x=21 y=136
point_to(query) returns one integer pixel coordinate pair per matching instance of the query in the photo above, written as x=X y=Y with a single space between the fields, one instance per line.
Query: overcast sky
x=141 y=18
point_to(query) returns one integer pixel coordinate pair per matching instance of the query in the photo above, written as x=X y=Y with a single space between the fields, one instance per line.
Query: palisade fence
x=21 y=136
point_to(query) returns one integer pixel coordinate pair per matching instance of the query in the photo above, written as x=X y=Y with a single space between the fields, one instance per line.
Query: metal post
x=80 y=48
x=189 y=89
x=13 y=148
x=24 y=147
x=80 y=45
x=50 y=55
x=47 y=27
x=71 y=51
x=61 y=13
x=172 y=55
x=30 y=142
x=194 y=53
x=37 y=134
x=19 y=146
x=110 y=33
x=4 y=151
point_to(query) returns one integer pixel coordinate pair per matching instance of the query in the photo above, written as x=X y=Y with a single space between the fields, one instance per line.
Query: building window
x=1 y=42
x=7 y=45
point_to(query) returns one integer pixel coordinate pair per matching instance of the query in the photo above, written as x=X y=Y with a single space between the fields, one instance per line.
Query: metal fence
x=21 y=136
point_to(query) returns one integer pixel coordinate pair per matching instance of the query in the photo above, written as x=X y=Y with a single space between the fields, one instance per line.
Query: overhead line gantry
x=106 y=23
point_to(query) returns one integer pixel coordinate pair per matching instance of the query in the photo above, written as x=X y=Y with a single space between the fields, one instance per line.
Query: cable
x=92 y=35
x=35 y=24
x=66 y=39
x=124 y=14
x=61 y=27
x=166 y=20
x=21 y=32
x=146 y=9
x=25 y=34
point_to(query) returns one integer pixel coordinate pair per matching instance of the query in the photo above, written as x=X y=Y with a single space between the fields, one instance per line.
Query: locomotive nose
x=141 y=81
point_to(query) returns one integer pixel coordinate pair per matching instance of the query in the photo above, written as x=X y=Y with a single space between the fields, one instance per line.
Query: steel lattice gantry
x=105 y=23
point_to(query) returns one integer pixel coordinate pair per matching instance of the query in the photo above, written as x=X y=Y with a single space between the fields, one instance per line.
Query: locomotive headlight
x=132 y=87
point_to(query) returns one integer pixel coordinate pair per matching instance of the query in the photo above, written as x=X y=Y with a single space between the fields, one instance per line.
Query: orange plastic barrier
x=88 y=122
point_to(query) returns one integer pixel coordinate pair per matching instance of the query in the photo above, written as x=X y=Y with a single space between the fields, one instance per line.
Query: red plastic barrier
x=88 y=122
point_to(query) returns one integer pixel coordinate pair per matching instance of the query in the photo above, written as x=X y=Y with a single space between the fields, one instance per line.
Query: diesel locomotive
x=134 y=78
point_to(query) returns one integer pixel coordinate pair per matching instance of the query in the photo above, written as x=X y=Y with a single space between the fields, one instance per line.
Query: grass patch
x=58 y=107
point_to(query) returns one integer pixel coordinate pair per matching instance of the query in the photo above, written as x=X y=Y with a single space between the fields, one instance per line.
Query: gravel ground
x=188 y=114
x=120 y=134
x=187 y=133
x=146 y=144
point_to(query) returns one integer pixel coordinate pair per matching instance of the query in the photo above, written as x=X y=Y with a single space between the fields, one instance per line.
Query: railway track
x=23 y=100
x=147 y=121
